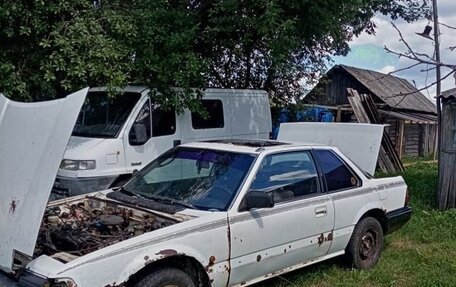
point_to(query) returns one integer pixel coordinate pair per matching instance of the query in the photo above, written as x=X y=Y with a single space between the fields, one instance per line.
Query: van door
x=154 y=131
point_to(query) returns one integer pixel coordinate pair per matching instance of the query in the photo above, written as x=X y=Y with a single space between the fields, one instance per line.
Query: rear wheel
x=366 y=244
x=166 y=277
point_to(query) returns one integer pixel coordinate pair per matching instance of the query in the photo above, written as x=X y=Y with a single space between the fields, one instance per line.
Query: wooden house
x=411 y=116
x=447 y=153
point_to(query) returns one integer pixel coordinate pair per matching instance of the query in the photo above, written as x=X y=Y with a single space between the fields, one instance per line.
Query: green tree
x=50 y=48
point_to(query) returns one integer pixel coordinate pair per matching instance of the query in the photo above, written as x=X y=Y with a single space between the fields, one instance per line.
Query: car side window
x=141 y=130
x=337 y=175
x=288 y=175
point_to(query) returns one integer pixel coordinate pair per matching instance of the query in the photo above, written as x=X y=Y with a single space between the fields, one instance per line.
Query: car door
x=296 y=230
x=347 y=192
x=162 y=132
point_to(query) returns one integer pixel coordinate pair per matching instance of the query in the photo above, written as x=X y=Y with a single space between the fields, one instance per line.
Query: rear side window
x=163 y=122
x=337 y=175
x=214 y=120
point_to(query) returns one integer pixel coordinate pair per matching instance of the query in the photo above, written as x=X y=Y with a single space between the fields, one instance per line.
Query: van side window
x=215 y=118
x=337 y=175
x=141 y=130
x=163 y=122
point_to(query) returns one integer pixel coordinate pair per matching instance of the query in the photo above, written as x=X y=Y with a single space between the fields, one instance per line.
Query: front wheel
x=366 y=244
x=166 y=277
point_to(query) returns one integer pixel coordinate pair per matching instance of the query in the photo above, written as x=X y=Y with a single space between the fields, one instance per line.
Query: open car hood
x=33 y=137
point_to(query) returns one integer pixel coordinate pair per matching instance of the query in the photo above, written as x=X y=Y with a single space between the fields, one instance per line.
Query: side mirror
x=258 y=199
x=138 y=134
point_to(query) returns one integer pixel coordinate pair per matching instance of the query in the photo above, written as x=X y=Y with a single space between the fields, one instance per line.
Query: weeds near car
x=422 y=253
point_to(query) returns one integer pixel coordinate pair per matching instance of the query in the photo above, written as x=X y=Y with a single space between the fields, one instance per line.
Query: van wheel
x=366 y=244
x=166 y=277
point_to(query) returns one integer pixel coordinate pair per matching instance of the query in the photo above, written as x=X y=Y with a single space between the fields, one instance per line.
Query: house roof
x=451 y=93
x=410 y=116
x=396 y=92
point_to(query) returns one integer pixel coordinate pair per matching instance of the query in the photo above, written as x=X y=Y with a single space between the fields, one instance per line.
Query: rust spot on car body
x=167 y=252
x=13 y=206
x=321 y=239
x=330 y=236
x=210 y=264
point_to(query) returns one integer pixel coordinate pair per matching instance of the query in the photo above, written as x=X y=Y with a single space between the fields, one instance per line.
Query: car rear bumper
x=397 y=218
x=66 y=186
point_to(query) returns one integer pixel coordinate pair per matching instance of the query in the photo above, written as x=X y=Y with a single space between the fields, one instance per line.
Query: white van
x=116 y=136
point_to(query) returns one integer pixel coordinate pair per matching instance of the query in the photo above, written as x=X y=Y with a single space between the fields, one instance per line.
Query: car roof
x=252 y=146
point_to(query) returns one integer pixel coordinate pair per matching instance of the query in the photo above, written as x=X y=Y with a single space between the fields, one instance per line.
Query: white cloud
x=387 y=69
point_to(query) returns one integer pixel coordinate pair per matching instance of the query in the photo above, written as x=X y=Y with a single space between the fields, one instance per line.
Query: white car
x=219 y=213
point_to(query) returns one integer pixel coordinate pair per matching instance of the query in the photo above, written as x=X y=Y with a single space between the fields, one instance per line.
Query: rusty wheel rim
x=368 y=245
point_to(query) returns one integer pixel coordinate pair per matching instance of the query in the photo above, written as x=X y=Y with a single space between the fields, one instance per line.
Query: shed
x=447 y=155
x=411 y=116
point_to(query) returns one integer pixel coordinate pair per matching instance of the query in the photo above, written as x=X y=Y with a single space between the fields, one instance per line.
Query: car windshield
x=102 y=115
x=200 y=178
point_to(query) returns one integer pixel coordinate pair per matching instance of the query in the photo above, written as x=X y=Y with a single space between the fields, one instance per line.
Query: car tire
x=366 y=244
x=166 y=277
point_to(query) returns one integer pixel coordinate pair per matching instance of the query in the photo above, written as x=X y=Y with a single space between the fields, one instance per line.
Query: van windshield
x=103 y=115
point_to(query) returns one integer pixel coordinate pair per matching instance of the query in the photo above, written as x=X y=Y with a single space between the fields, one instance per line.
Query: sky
x=367 y=51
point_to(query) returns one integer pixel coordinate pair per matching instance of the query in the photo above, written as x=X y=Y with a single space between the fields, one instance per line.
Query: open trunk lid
x=33 y=137
x=359 y=142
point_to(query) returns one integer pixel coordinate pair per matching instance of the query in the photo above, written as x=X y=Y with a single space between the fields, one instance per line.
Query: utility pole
x=438 y=75
x=437 y=54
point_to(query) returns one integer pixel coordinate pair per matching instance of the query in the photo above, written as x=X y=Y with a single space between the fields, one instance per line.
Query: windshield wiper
x=169 y=201
x=129 y=193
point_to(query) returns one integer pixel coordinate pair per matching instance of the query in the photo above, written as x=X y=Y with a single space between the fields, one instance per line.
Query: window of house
x=214 y=109
x=288 y=175
x=337 y=175
x=163 y=122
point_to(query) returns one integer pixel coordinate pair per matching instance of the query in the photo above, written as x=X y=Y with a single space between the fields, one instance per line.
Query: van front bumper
x=397 y=218
x=66 y=186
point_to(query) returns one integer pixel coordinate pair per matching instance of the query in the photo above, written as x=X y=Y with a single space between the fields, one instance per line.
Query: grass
x=422 y=253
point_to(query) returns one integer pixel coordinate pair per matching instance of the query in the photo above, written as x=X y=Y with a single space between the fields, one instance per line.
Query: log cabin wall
x=418 y=139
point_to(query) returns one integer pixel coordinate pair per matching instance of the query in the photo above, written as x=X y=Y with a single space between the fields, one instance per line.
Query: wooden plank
x=349 y=109
x=358 y=109
x=366 y=112
x=401 y=137
x=339 y=114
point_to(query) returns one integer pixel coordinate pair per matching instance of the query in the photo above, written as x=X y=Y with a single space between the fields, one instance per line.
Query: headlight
x=69 y=164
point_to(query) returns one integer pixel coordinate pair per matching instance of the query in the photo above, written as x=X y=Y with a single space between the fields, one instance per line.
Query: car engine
x=72 y=230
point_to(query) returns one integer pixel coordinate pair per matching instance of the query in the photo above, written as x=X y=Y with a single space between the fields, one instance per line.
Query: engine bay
x=74 y=229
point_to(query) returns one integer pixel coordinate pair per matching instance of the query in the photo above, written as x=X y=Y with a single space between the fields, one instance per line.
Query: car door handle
x=321 y=211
